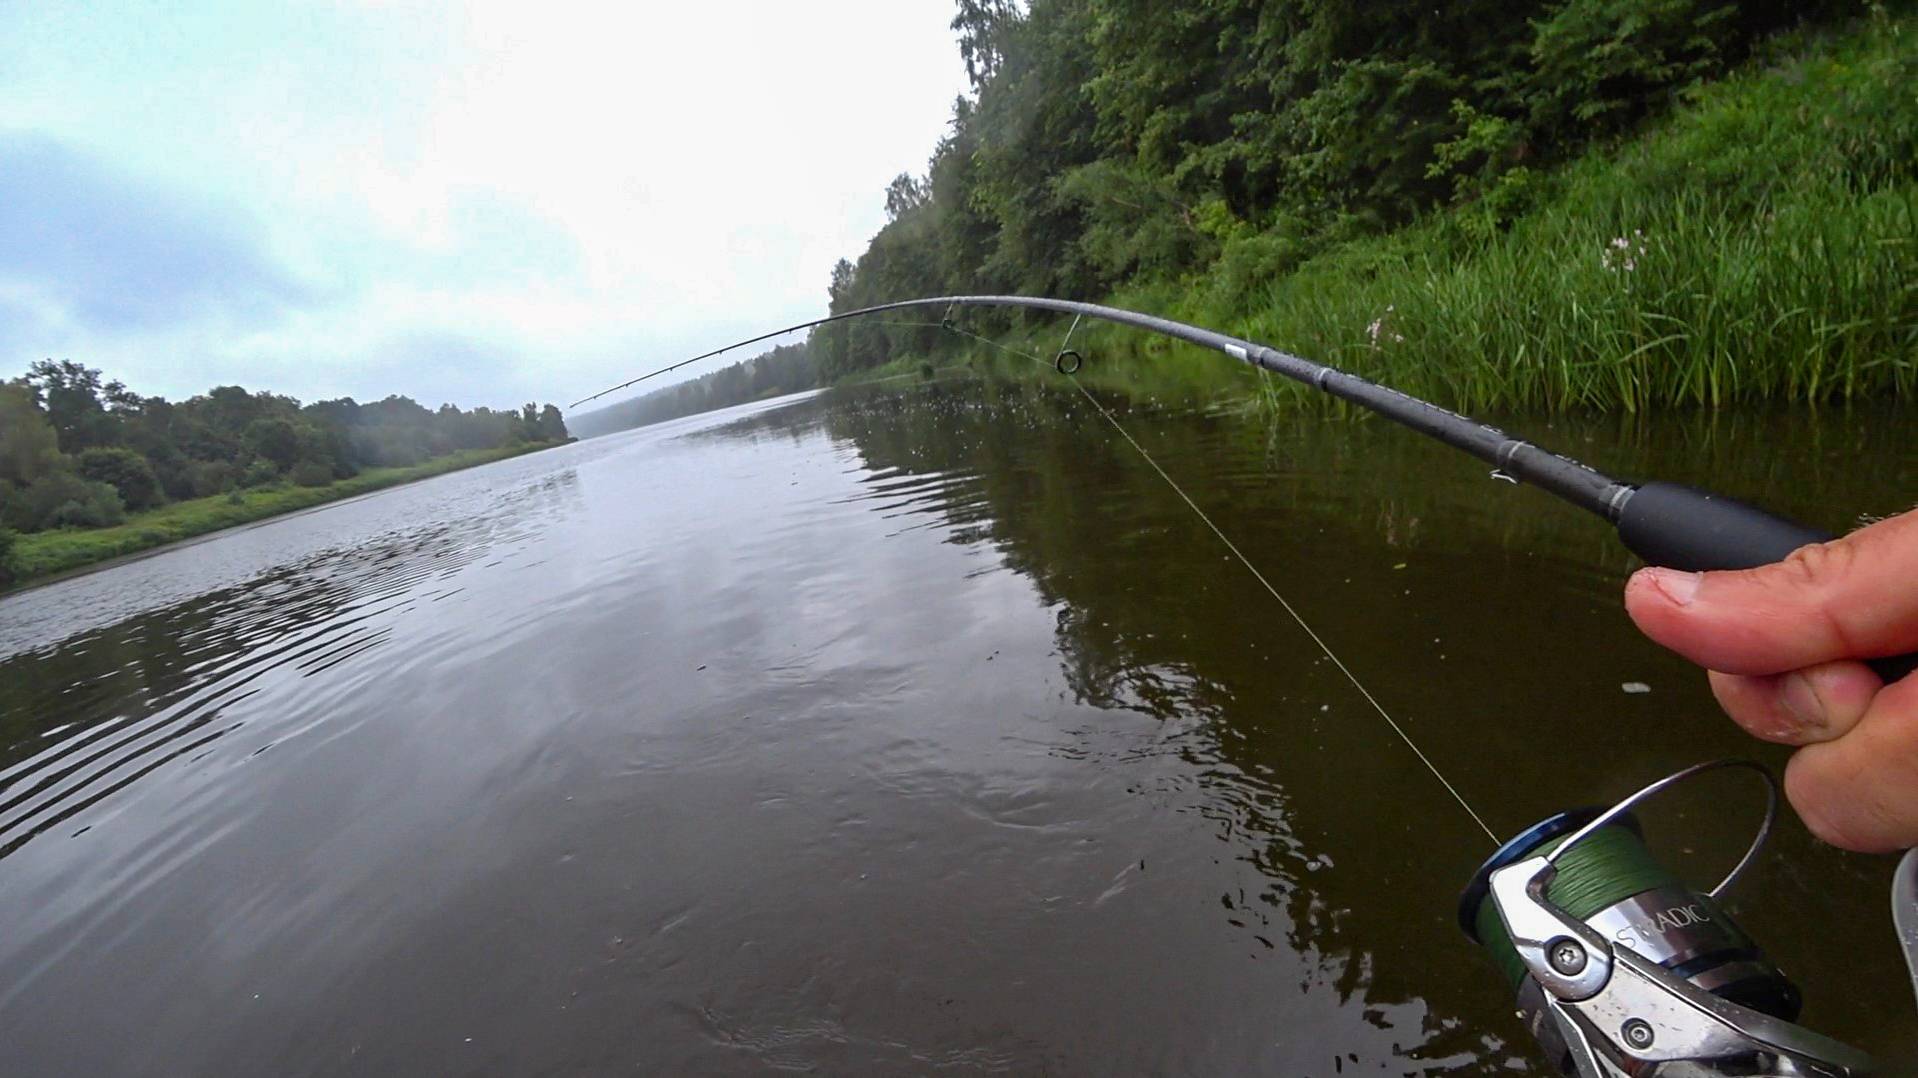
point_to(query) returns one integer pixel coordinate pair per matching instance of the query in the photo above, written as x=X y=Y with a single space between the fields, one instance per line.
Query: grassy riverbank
x=1753 y=239
x=1759 y=243
x=42 y=554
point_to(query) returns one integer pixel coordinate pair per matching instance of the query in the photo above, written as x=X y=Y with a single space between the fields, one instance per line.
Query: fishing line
x=1656 y=971
x=1260 y=577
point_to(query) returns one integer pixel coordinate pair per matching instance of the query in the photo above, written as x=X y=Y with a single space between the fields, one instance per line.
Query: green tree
x=982 y=26
x=70 y=392
x=29 y=448
x=275 y=439
x=1599 y=64
x=904 y=195
x=127 y=472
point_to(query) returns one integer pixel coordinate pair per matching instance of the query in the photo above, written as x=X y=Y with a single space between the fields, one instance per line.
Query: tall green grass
x=1808 y=299
x=1761 y=243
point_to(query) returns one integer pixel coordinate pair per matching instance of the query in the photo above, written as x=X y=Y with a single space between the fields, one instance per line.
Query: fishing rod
x=1666 y=524
x=1621 y=970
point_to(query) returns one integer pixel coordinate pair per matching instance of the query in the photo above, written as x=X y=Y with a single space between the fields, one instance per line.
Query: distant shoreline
x=43 y=557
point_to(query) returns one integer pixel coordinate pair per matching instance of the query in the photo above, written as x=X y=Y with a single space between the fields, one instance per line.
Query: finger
x=1851 y=598
x=1804 y=707
x=1856 y=791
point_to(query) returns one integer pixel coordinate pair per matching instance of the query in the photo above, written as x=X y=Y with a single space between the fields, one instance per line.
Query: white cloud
x=568 y=194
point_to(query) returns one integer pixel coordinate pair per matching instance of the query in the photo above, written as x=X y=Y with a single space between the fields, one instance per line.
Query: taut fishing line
x=1620 y=969
x=1256 y=574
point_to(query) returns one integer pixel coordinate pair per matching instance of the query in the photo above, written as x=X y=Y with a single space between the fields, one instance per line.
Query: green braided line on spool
x=1608 y=867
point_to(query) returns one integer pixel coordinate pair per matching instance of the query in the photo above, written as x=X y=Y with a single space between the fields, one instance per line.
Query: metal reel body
x=1630 y=1001
x=1615 y=1014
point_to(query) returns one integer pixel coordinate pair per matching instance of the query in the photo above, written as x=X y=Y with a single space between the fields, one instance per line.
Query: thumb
x=1851 y=598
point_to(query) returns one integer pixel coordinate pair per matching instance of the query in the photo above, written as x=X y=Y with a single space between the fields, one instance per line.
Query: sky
x=482 y=203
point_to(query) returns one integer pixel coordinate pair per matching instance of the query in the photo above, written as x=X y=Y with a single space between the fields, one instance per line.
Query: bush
x=126 y=472
x=1251 y=264
x=311 y=473
x=99 y=509
x=61 y=499
x=7 y=572
x=259 y=473
x=176 y=478
x=1135 y=223
x=209 y=477
x=1602 y=63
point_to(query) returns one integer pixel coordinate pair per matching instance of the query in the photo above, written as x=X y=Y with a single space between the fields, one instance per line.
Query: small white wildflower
x=1622 y=253
x=1377 y=331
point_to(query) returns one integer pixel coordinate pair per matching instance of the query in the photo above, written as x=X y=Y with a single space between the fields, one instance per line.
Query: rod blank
x=1568 y=479
x=1672 y=526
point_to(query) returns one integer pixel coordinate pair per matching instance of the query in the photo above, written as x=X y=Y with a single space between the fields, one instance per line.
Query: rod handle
x=1680 y=527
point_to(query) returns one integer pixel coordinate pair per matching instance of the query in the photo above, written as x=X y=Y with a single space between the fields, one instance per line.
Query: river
x=906 y=728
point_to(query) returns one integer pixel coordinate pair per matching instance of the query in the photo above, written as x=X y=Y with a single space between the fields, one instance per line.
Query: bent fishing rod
x=1666 y=524
x=1620 y=969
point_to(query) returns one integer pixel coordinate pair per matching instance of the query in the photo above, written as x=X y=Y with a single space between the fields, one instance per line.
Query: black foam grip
x=1681 y=527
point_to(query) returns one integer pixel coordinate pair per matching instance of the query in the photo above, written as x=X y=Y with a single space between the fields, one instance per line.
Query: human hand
x=1784 y=642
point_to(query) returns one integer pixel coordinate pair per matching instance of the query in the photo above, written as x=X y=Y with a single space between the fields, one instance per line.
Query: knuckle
x=1745 y=701
x=1819 y=563
x=1817 y=568
x=1841 y=802
x=1817 y=799
x=1757 y=705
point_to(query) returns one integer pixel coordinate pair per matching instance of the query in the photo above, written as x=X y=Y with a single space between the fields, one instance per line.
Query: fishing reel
x=1624 y=971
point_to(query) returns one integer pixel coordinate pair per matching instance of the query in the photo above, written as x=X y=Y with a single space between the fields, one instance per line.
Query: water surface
x=900 y=729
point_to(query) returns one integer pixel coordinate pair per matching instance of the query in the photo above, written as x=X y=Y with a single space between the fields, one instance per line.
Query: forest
x=80 y=451
x=1569 y=205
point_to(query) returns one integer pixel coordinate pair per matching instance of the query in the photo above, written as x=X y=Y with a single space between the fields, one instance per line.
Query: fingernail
x=1801 y=701
x=1679 y=587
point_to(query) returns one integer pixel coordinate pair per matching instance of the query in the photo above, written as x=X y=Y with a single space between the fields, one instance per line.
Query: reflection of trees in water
x=1152 y=618
x=98 y=712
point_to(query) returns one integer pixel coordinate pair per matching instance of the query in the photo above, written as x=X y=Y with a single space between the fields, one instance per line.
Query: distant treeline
x=77 y=451
x=786 y=369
